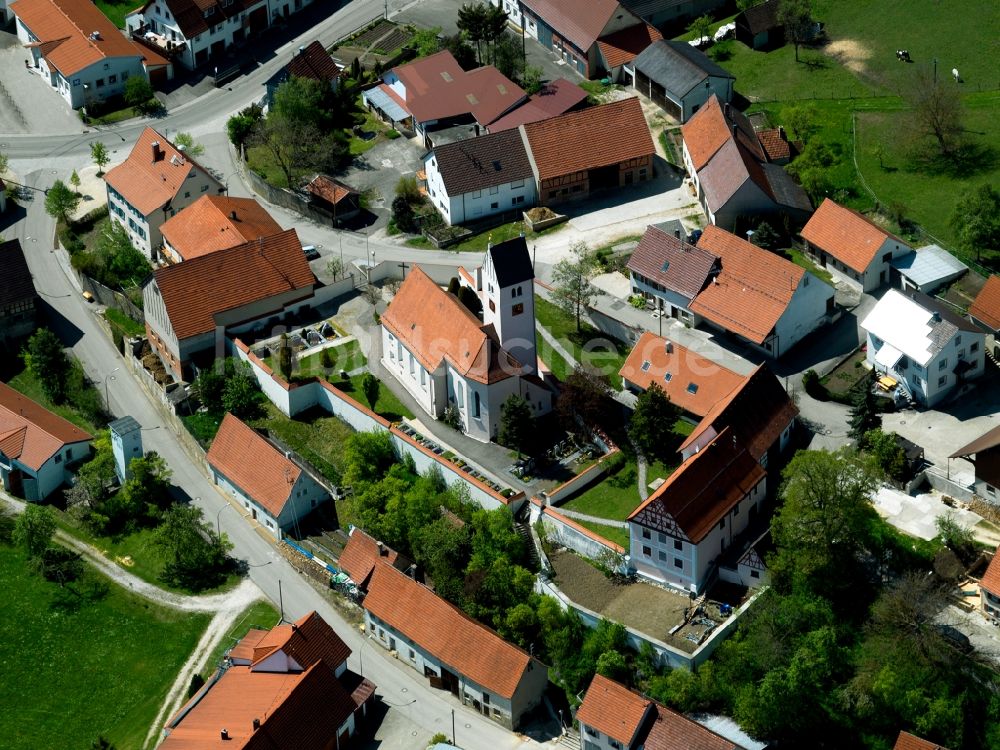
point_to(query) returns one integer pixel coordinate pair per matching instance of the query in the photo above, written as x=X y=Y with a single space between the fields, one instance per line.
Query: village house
x=190 y=306
x=280 y=688
x=758 y=28
x=926 y=269
x=456 y=653
x=758 y=296
x=214 y=222
x=984 y=454
x=445 y=357
x=729 y=168
x=679 y=78
x=670 y=272
x=480 y=177
x=196 y=33
x=80 y=53
x=37 y=448
x=363 y=552
x=907 y=741
x=923 y=346
x=693 y=383
x=985 y=311
x=311 y=62
x=989 y=586
x=18 y=298
x=577 y=154
x=274 y=490
x=153 y=184
x=554 y=98
x=434 y=98
x=612 y=717
x=853 y=248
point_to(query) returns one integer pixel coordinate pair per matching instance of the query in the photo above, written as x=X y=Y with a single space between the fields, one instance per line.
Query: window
x=99 y=82
x=661 y=538
x=755 y=574
x=475 y=405
x=662 y=556
x=423 y=376
x=413 y=655
x=204 y=188
x=645 y=365
x=517 y=184
x=517 y=309
x=961 y=353
x=494 y=206
x=678 y=545
x=187 y=193
x=493 y=307
x=943 y=363
x=646 y=534
x=692 y=388
x=722 y=523
x=112 y=79
x=942 y=380
x=647 y=551
x=58 y=459
x=517 y=200
x=477 y=193
x=736 y=509
x=958 y=341
x=494 y=190
x=973 y=347
x=678 y=563
x=486 y=699
x=667 y=377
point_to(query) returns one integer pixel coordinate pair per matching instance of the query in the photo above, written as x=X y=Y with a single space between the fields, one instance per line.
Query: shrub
x=813 y=386
x=614 y=463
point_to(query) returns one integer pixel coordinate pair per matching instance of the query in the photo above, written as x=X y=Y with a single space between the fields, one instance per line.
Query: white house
x=37 y=448
x=494 y=678
x=446 y=357
x=922 y=345
x=272 y=488
x=852 y=247
x=155 y=182
x=679 y=78
x=480 y=177
x=78 y=51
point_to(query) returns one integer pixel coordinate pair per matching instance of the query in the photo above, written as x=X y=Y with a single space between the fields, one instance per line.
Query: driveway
x=380 y=168
x=28 y=104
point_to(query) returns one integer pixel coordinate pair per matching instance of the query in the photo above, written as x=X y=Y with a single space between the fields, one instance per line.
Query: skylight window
x=645 y=365
x=667 y=377
x=692 y=388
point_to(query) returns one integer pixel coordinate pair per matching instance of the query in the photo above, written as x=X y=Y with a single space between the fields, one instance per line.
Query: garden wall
x=614 y=328
x=570 y=534
x=583 y=480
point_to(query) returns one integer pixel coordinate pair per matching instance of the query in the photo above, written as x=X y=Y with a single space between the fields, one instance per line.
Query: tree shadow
x=813 y=63
x=71 y=598
x=968 y=160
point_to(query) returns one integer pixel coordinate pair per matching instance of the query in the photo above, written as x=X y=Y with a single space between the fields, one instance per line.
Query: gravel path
x=593 y=519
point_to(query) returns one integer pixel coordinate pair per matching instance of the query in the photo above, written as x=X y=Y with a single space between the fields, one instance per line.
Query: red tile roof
x=757 y=411
x=986 y=307
x=594 y=137
x=66 y=30
x=753 y=289
x=846 y=235
x=621 y=47
x=30 y=433
x=242 y=652
x=437 y=88
x=613 y=709
x=672 y=731
x=448 y=634
x=314 y=62
x=215 y=222
x=196 y=291
x=253 y=464
x=907 y=741
x=704 y=489
x=555 y=98
x=991 y=578
x=308 y=641
x=329 y=189
x=775 y=144
x=148 y=184
x=712 y=381
x=360 y=556
x=580 y=23
x=672 y=262
x=435 y=326
x=711 y=128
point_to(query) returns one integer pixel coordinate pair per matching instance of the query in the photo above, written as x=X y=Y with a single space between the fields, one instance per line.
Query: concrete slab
x=28 y=104
x=917 y=516
x=614 y=284
x=93 y=191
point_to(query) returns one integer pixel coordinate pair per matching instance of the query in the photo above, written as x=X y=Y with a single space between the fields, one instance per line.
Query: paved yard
x=382 y=166
x=917 y=516
x=28 y=104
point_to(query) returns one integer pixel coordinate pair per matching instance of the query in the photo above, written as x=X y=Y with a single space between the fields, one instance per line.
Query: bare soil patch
x=850 y=53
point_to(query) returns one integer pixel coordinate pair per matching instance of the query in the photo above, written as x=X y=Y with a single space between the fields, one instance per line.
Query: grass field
x=346 y=357
x=478 y=243
x=314 y=435
x=799 y=258
x=83 y=662
x=611 y=533
x=588 y=345
x=116 y=11
x=605 y=500
x=125 y=324
x=387 y=406
x=261 y=615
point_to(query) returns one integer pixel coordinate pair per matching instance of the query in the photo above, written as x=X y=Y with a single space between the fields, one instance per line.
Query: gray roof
x=677 y=66
x=124 y=425
x=680 y=267
x=761 y=17
x=480 y=163
x=16 y=284
x=786 y=191
x=511 y=262
x=929 y=265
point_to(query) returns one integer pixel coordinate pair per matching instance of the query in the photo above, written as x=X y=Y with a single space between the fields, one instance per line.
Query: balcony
x=158 y=43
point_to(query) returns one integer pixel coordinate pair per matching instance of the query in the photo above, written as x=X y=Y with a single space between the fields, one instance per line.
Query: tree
x=138 y=92
x=300 y=148
x=241 y=395
x=47 y=362
x=33 y=529
x=241 y=126
x=60 y=565
x=796 y=18
x=403 y=215
x=4 y=163
x=99 y=153
x=370 y=387
x=284 y=357
x=460 y=49
x=700 y=27
x=937 y=112
x=327 y=360
x=765 y=236
x=517 y=424
x=209 y=387
x=305 y=101
x=864 y=415
x=800 y=119
x=197 y=558
x=651 y=427
x=60 y=201
x=887 y=453
x=187 y=144
x=976 y=220
x=74 y=180
x=956 y=537
x=335 y=267
x=472 y=21
x=495 y=30
x=121 y=265
x=508 y=55
x=408 y=189
x=470 y=299
x=532 y=81
x=571 y=277
x=584 y=399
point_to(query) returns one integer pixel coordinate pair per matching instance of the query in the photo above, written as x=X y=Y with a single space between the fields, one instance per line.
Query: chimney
x=232 y=214
x=725 y=110
x=156 y=151
x=381 y=549
x=301 y=49
x=781 y=133
x=224 y=734
x=256 y=724
x=936 y=316
x=668 y=347
x=677 y=233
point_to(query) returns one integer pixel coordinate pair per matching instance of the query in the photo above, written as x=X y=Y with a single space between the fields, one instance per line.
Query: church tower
x=508 y=296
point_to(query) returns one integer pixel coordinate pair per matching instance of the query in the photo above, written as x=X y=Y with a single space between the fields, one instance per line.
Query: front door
x=254 y=511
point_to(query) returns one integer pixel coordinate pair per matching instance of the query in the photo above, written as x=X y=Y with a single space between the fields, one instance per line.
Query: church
x=445 y=356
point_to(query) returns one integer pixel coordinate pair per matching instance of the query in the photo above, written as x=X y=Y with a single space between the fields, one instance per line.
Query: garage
x=257 y=20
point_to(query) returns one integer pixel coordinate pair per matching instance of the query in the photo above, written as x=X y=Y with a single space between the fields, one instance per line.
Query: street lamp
x=109 y=376
x=218 y=516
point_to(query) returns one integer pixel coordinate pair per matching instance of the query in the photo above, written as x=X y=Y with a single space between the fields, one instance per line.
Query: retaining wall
x=581 y=481
x=570 y=534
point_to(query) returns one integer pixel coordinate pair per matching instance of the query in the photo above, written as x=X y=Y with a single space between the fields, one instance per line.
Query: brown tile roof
x=30 y=433
x=308 y=641
x=447 y=633
x=613 y=709
x=672 y=731
x=987 y=440
x=66 y=30
x=621 y=47
x=580 y=23
x=148 y=184
x=437 y=88
x=704 y=488
x=711 y=128
x=991 y=578
x=595 y=137
x=775 y=143
x=435 y=326
x=555 y=98
x=215 y=222
x=672 y=262
x=986 y=307
x=846 y=235
x=16 y=284
x=752 y=290
x=314 y=62
x=329 y=189
x=757 y=411
x=195 y=291
x=483 y=162
x=712 y=381
x=759 y=18
x=360 y=555
x=907 y=741
x=253 y=464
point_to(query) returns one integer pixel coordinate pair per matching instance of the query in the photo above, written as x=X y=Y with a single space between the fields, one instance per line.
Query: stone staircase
x=524 y=532
x=570 y=740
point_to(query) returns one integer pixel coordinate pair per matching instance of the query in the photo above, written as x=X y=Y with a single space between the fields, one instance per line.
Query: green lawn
x=203 y=427
x=605 y=500
x=588 y=345
x=314 y=435
x=346 y=357
x=387 y=406
x=799 y=258
x=84 y=660
x=260 y=160
x=119 y=320
x=260 y=615
x=478 y=243
x=371 y=124
x=26 y=384
x=116 y=11
x=611 y=533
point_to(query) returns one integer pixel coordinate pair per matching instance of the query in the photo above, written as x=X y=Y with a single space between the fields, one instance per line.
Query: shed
x=927 y=268
x=680 y=78
x=758 y=28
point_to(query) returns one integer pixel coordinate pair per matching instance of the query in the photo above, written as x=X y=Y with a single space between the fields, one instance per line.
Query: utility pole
x=281 y=602
x=453 y=727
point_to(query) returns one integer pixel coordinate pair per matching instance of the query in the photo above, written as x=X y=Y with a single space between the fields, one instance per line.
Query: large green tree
x=796 y=18
x=33 y=529
x=197 y=558
x=48 y=363
x=651 y=426
x=472 y=21
x=61 y=201
x=517 y=424
x=864 y=416
x=976 y=221
x=99 y=153
x=241 y=395
x=571 y=281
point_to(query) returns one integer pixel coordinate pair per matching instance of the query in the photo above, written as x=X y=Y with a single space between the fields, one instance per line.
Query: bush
x=614 y=463
x=813 y=386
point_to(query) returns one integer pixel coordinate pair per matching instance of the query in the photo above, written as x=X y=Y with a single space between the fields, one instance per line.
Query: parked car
x=311 y=252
